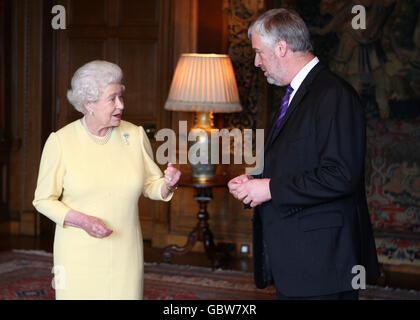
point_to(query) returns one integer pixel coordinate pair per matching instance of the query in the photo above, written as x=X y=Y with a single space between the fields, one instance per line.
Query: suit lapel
x=293 y=105
x=299 y=95
x=268 y=139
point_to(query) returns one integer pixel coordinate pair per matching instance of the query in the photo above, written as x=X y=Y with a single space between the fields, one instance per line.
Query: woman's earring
x=90 y=113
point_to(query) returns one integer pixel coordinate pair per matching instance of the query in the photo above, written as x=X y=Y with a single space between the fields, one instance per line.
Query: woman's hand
x=171 y=176
x=95 y=227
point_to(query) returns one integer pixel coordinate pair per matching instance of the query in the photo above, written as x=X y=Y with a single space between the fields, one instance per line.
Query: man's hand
x=236 y=182
x=250 y=191
x=254 y=192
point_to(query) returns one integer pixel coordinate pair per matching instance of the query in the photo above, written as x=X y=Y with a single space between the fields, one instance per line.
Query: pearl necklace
x=97 y=139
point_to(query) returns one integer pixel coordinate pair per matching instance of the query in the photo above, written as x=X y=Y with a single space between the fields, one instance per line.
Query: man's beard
x=271 y=80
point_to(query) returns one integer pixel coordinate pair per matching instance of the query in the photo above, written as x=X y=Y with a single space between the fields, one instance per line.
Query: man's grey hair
x=282 y=24
x=90 y=80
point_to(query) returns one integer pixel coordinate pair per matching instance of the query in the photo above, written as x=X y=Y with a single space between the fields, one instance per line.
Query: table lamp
x=203 y=83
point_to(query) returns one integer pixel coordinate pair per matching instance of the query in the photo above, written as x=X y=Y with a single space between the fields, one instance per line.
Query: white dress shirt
x=298 y=79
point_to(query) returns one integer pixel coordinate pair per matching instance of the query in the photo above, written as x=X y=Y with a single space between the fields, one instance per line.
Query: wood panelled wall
x=5 y=142
x=146 y=38
x=31 y=82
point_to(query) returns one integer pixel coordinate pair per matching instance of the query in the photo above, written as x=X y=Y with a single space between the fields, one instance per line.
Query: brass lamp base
x=203 y=172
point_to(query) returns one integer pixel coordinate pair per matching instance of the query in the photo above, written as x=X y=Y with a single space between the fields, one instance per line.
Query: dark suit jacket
x=316 y=227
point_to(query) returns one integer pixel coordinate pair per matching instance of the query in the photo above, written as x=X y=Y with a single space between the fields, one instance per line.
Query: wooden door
x=134 y=35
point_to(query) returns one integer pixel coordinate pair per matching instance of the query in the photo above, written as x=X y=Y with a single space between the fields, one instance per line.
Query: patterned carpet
x=26 y=275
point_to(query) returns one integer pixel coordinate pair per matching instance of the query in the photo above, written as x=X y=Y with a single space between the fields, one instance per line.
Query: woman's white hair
x=90 y=80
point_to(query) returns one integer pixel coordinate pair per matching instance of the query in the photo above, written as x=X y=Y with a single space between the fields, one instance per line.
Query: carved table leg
x=204 y=196
x=200 y=233
x=174 y=249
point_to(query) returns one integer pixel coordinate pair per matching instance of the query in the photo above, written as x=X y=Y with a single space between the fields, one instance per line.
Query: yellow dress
x=104 y=181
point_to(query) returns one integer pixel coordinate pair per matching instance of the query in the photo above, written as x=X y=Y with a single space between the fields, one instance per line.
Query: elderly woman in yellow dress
x=91 y=175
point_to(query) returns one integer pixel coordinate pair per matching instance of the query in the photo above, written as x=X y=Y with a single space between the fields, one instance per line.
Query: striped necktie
x=283 y=106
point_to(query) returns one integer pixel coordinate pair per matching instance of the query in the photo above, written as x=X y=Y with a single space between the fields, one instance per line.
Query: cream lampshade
x=204 y=83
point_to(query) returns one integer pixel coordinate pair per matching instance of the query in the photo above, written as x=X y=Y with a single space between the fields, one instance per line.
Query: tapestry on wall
x=241 y=13
x=382 y=62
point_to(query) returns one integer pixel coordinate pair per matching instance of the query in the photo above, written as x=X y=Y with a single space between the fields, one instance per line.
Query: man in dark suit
x=311 y=227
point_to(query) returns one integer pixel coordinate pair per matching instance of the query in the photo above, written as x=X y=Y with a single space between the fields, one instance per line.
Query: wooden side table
x=203 y=195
